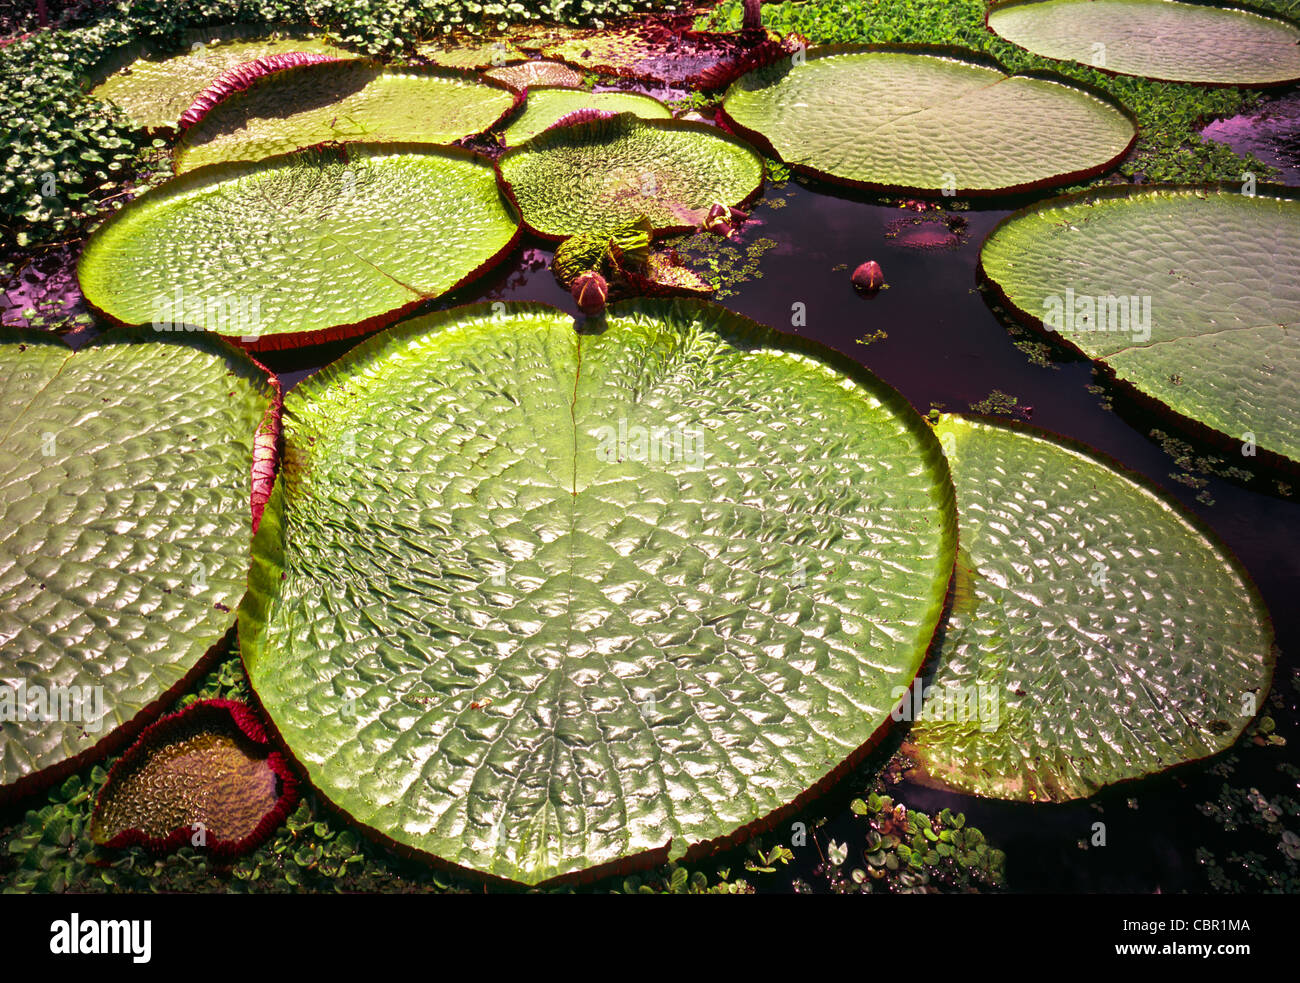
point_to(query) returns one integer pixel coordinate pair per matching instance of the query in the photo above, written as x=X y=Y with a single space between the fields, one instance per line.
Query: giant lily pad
x=301 y=248
x=1158 y=39
x=546 y=105
x=1188 y=295
x=126 y=517
x=343 y=102
x=597 y=175
x=1098 y=633
x=154 y=92
x=541 y=603
x=916 y=120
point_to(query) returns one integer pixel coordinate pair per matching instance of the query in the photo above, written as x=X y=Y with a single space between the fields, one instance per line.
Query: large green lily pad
x=1157 y=39
x=905 y=119
x=1098 y=633
x=301 y=248
x=1188 y=295
x=546 y=105
x=601 y=174
x=353 y=101
x=154 y=92
x=542 y=603
x=126 y=518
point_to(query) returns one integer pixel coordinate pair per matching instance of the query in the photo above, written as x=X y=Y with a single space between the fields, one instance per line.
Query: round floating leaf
x=475 y=57
x=1097 y=633
x=301 y=248
x=652 y=51
x=531 y=73
x=1188 y=295
x=923 y=122
x=541 y=603
x=343 y=102
x=598 y=175
x=546 y=105
x=155 y=93
x=1157 y=39
x=126 y=517
x=205 y=777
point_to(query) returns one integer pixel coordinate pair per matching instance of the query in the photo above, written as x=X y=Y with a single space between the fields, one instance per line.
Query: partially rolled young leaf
x=548 y=104
x=155 y=92
x=206 y=777
x=907 y=119
x=542 y=603
x=1157 y=39
x=1188 y=295
x=126 y=518
x=598 y=175
x=343 y=102
x=1097 y=634
x=302 y=248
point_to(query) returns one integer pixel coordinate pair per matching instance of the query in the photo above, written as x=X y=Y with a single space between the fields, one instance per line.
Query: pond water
x=933 y=336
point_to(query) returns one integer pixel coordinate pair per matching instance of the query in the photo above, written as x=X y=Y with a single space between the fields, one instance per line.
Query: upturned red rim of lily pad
x=250 y=726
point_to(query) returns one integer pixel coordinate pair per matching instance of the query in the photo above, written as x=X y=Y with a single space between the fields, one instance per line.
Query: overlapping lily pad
x=154 y=92
x=542 y=603
x=126 y=518
x=531 y=73
x=1187 y=295
x=598 y=175
x=488 y=54
x=1097 y=634
x=546 y=105
x=300 y=248
x=343 y=102
x=1157 y=39
x=205 y=777
x=926 y=121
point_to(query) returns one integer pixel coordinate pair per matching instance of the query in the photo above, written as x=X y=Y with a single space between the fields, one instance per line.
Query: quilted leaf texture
x=126 y=517
x=1188 y=295
x=1098 y=633
x=1157 y=39
x=155 y=93
x=547 y=105
x=906 y=119
x=543 y=604
x=598 y=175
x=303 y=248
x=343 y=102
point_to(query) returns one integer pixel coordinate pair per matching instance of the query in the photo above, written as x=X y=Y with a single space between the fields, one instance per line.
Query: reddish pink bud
x=589 y=292
x=869 y=277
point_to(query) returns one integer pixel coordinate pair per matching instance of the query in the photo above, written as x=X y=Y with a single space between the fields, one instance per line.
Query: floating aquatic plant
x=301 y=248
x=548 y=105
x=596 y=175
x=343 y=102
x=1158 y=39
x=240 y=77
x=1186 y=295
x=206 y=776
x=156 y=92
x=645 y=648
x=906 y=118
x=126 y=522
x=1097 y=632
